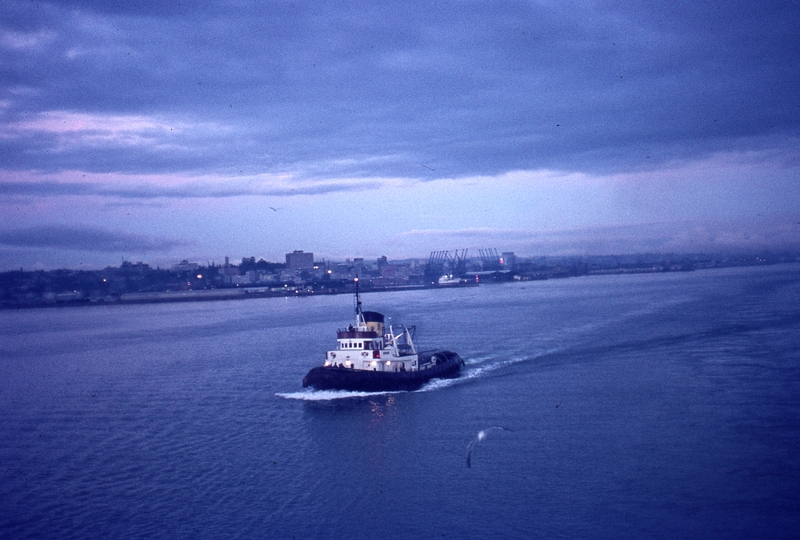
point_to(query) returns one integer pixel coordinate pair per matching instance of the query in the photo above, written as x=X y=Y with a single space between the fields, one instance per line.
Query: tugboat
x=371 y=358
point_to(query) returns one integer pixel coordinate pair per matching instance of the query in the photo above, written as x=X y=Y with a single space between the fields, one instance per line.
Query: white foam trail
x=470 y=373
x=328 y=395
x=437 y=384
x=479 y=359
x=473 y=370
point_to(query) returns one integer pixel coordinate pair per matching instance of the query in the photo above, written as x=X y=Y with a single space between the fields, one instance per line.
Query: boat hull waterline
x=448 y=366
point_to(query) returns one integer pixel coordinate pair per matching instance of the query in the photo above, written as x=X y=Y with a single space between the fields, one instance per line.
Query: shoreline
x=253 y=292
x=203 y=295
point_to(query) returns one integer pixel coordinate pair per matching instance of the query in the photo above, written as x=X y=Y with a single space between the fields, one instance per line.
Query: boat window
x=368 y=345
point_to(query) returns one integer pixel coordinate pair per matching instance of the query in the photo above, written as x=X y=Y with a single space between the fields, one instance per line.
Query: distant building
x=508 y=260
x=230 y=271
x=299 y=260
x=185 y=266
x=388 y=270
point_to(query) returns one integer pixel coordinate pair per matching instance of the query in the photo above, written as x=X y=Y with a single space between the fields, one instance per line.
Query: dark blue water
x=641 y=406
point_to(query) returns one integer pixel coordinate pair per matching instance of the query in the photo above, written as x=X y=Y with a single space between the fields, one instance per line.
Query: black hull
x=357 y=380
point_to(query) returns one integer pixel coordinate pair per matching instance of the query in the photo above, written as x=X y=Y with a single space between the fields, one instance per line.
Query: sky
x=160 y=130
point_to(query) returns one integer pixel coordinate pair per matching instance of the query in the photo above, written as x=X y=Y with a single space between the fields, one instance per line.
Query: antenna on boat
x=359 y=316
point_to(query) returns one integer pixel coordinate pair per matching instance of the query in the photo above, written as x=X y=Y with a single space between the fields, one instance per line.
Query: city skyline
x=160 y=132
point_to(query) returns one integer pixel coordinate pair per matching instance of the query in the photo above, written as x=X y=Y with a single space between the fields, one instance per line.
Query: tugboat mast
x=359 y=315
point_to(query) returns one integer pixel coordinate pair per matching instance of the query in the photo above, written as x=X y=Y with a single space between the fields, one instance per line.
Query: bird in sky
x=481 y=436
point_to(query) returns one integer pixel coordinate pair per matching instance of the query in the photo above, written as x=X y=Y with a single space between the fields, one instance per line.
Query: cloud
x=654 y=237
x=45 y=189
x=66 y=122
x=496 y=87
x=503 y=120
x=78 y=238
x=15 y=40
x=124 y=187
x=472 y=232
x=96 y=142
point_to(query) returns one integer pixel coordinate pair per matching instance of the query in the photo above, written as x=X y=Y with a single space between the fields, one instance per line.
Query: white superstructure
x=369 y=346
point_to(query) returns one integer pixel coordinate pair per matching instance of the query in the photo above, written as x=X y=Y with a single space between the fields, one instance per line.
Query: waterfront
x=658 y=405
x=189 y=282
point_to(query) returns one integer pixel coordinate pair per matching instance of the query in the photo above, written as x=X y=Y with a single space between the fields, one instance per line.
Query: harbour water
x=636 y=406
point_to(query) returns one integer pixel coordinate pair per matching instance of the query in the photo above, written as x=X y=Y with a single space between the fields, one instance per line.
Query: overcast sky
x=162 y=130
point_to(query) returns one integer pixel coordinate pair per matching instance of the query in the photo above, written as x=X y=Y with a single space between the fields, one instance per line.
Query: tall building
x=508 y=260
x=299 y=260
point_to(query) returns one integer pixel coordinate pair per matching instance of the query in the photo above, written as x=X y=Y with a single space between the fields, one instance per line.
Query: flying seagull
x=481 y=436
x=274 y=209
